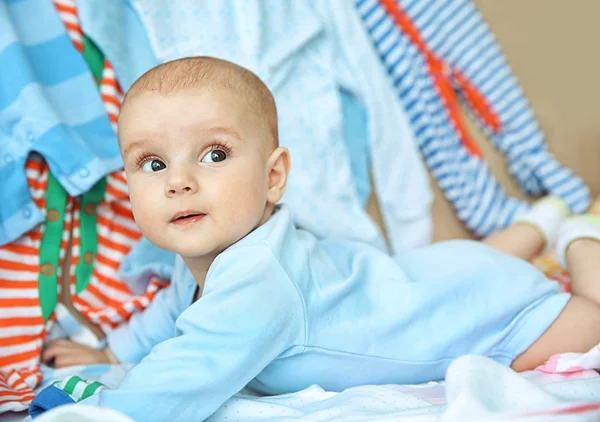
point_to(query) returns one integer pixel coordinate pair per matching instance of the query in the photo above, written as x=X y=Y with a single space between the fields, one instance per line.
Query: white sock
x=547 y=216
x=580 y=227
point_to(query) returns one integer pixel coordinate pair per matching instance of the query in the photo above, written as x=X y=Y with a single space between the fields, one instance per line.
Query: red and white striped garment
x=106 y=302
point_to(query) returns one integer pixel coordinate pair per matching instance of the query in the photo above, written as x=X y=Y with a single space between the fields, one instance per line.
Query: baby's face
x=196 y=169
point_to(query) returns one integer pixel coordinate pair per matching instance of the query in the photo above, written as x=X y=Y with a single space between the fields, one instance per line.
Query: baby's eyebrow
x=222 y=129
x=133 y=145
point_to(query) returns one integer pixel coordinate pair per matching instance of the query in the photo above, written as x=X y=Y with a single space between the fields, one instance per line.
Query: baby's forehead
x=252 y=99
x=219 y=112
x=188 y=98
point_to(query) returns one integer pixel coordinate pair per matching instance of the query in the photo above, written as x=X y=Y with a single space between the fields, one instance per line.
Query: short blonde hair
x=211 y=73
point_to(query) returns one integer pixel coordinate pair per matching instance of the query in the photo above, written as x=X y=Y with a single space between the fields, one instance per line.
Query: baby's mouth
x=187 y=217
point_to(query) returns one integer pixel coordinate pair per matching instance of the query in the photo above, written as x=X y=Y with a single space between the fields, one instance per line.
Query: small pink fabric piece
x=567 y=363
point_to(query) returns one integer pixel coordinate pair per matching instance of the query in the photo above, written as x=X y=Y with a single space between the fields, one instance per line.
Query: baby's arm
x=250 y=313
x=134 y=340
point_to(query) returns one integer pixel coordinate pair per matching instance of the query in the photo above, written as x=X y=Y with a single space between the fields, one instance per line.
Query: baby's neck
x=199 y=268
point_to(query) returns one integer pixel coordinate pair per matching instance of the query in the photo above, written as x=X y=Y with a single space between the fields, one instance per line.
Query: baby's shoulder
x=257 y=263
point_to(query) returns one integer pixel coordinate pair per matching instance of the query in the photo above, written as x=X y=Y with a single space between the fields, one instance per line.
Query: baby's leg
x=583 y=262
x=533 y=231
x=577 y=328
x=519 y=240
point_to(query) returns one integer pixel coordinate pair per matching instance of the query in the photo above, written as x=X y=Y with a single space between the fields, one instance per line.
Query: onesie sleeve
x=134 y=340
x=250 y=313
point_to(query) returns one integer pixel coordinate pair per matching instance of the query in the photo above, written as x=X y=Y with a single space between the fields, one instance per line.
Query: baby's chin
x=173 y=245
x=193 y=245
x=195 y=251
x=182 y=243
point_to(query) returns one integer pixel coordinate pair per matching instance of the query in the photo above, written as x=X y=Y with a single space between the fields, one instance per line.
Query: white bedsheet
x=476 y=389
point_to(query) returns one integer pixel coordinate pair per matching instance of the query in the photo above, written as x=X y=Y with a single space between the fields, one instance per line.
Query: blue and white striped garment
x=455 y=32
x=49 y=104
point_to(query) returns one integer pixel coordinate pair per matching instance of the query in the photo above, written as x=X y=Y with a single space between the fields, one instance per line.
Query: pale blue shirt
x=282 y=310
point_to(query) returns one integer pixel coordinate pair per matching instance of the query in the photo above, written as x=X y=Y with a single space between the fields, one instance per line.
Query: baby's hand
x=67 y=353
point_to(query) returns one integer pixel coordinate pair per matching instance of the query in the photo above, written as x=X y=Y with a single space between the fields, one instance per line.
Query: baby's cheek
x=144 y=208
x=150 y=227
x=136 y=208
x=140 y=221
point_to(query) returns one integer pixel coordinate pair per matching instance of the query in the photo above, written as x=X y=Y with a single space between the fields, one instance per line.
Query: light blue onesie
x=282 y=310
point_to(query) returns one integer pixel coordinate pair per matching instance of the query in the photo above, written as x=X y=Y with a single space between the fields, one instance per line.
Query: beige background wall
x=553 y=49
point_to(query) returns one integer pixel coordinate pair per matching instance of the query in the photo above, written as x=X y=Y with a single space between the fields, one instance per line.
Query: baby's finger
x=51 y=351
x=64 y=360
x=70 y=358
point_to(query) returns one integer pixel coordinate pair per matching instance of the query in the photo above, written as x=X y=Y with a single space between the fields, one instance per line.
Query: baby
x=257 y=301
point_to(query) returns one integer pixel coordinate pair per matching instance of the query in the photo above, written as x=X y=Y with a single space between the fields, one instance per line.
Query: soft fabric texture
x=475 y=387
x=585 y=226
x=118 y=31
x=399 y=175
x=457 y=47
x=68 y=391
x=332 y=313
x=48 y=99
x=546 y=216
x=82 y=414
x=356 y=138
x=47 y=399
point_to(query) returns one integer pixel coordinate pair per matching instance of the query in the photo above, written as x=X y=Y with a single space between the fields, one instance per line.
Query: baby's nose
x=178 y=185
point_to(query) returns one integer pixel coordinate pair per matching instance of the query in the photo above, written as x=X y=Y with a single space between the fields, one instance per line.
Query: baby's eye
x=215 y=156
x=153 y=166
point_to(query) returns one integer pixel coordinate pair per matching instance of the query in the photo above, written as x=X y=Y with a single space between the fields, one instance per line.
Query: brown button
x=47 y=269
x=88 y=257
x=90 y=208
x=52 y=215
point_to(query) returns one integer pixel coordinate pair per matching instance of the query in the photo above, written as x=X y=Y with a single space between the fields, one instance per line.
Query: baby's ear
x=278 y=167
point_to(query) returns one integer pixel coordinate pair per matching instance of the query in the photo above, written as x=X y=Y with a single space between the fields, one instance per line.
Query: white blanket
x=476 y=389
